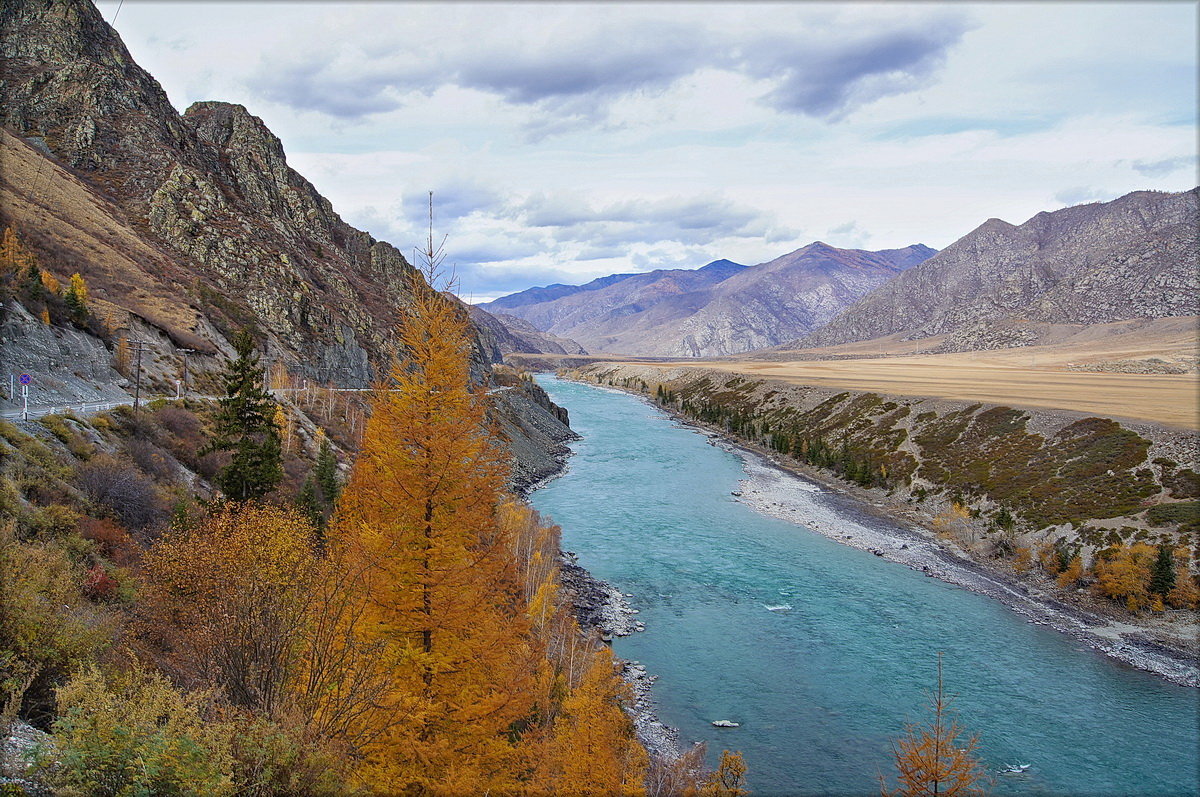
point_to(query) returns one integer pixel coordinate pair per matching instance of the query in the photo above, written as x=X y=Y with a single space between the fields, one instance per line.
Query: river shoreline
x=824 y=505
x=601 y=607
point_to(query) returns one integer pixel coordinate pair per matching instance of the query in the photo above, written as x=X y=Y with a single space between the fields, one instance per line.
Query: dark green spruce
x=245 y=426
x=1162 y=574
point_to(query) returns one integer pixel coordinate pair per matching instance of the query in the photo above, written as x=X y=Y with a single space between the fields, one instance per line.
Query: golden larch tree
x=417 y=524
x=933 y=758
x=729 y=780
x=592 y=750
x=1123 y=572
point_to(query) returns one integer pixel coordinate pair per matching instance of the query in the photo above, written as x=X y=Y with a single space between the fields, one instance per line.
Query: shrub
x=179 y=422
x=271 y=758
x=134 y=734
x=232 y=592
x=120 y=489
x=112 y=541
x=99 y=584
x=151 y=459
x=1185 y=514
x=46 y=628
x=68 y=436
x=54 y=520
x=11 y=433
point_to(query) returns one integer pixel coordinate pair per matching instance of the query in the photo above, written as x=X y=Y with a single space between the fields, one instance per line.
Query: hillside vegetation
x=1086 y=501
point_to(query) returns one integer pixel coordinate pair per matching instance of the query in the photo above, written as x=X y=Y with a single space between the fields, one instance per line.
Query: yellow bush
x=133 y=733
x=47 y=627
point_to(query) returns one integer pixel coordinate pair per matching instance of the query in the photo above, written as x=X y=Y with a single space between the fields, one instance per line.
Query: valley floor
x=1121 y=370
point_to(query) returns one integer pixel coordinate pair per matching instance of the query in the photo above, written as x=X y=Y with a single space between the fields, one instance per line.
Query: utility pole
x=184 y=354
x=138 y=347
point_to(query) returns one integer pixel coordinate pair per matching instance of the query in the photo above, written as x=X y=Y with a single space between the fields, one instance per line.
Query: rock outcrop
x=722 y=308
x=1134 y=257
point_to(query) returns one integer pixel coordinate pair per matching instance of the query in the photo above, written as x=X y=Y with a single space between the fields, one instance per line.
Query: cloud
x=849 y=235
x=697 y=219
x=1083 y=195
x=451 y=201
x=489 y=281
x=570 y=77
x=828 y=76
x=603 y=63
x=319 y=85
x=1164 y=167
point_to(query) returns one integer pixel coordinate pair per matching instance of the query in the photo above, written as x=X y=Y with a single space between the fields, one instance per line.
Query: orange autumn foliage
x=417 y=525
x=1123 y=573
x=729 y=780
x=1074 y=572
x=234 y=592
x=491 y=687
x=933 y=758
x=579 y=757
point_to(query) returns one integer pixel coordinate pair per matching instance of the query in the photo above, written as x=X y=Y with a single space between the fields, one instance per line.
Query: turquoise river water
x=821 y=689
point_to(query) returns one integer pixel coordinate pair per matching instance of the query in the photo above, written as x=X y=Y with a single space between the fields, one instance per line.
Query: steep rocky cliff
x=211 y=188
x=186 y=226
x=722 y=308
x=1134 y=257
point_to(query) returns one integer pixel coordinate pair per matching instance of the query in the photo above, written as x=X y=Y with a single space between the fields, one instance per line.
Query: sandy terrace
x=1167 y=399
x=1041 y=376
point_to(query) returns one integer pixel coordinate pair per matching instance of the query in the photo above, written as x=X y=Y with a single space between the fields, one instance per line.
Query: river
x=821 y=651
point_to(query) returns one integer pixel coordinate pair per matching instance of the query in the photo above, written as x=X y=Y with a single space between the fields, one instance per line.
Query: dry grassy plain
x=1034 y=376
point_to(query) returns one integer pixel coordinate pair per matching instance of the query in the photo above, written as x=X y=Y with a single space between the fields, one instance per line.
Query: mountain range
x=721 y=308
x=1133 y=257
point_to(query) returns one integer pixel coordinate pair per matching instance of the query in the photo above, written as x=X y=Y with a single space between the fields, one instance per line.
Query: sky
x=568 y=141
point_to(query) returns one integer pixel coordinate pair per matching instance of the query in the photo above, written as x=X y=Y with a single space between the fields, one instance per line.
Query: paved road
x=89 y=407
x=84 y=408
x=80 y=408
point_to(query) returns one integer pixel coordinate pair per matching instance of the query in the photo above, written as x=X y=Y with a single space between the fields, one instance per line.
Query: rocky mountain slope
x=185 y=226
x=516 y=335
x=722 y=308
x=210 y=188
x=1134 y=257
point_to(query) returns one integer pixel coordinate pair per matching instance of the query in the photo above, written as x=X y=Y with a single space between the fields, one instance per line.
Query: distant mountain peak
x=720 y=308
x=1133 y=257
x=722 y=264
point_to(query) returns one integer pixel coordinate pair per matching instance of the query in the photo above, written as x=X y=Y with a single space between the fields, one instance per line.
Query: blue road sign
x=26 y=379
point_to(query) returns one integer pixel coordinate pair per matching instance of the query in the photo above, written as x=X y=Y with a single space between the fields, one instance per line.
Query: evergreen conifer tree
x=327 y=474
x=75 y=299
x=245 y=426
x=1162 y=574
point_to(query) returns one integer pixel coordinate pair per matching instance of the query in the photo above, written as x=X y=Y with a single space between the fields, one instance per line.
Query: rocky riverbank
x=778 y=491
x=602 y=607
